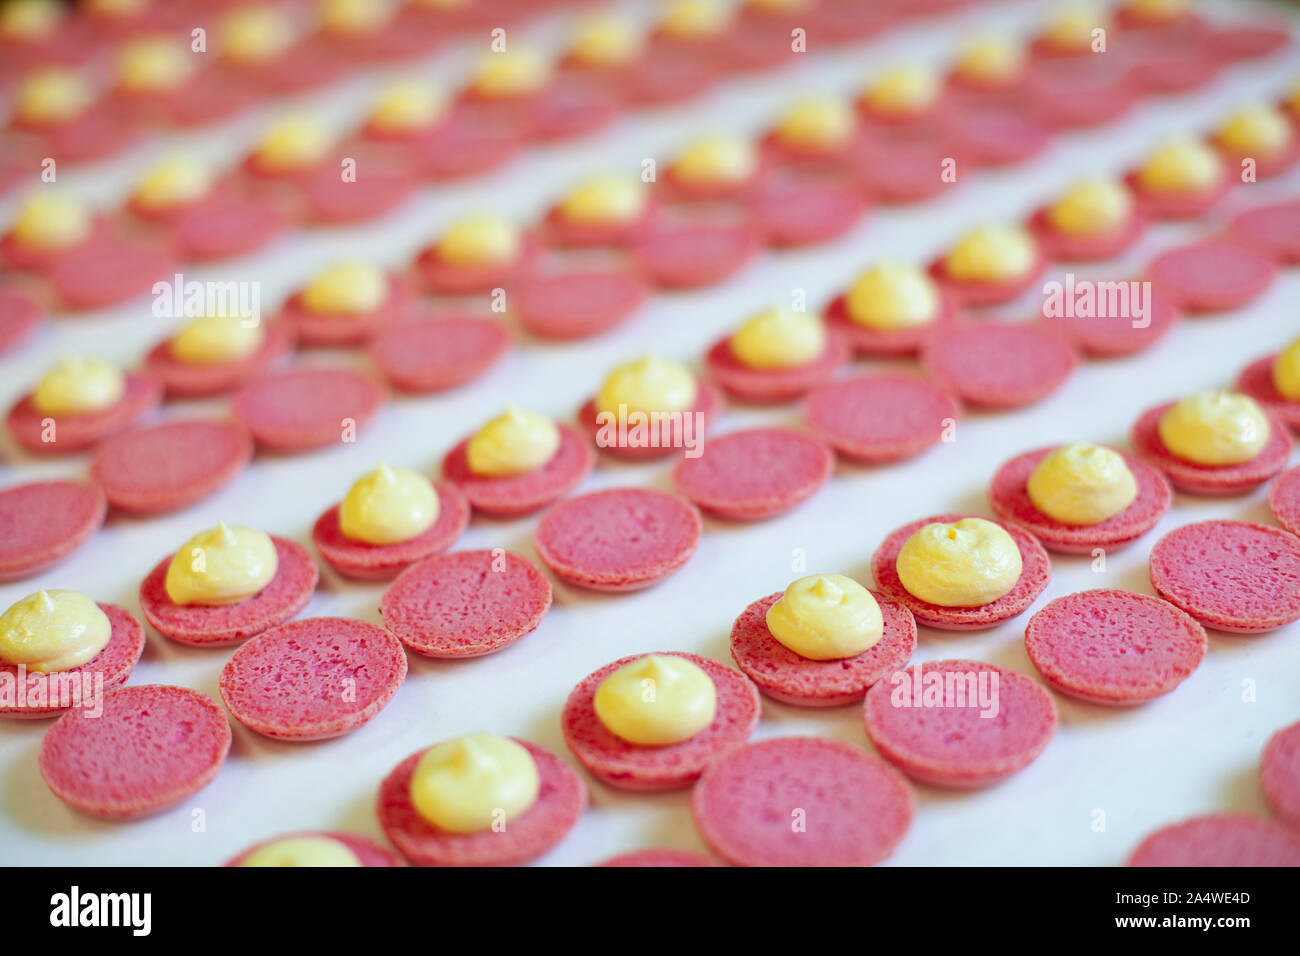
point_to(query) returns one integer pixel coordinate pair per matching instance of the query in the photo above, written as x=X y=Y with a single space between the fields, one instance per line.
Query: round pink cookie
x=1010 y=501
x=1114 y=647
x=513 y=495
x=997 y=365
x=854 y=809
x=1208 y=479
x=660 y=858
x=169 y=466
x=43 y=522
x=226 y=227
x=358 y=559
x=901 y=170
x=756 y=473
x=451 y=278
x=805 y=213
x=307 y=408
x=200 y=379
x=578 y=304
x=106 y=273
x=314 y=329
x=219 y=625
x=772 y=384
x=163 y=744
x=783 y=675
x=1116 y=334
x=435 y=354
x=19 y=315
x=561 y=230
x=1212 y=276
x=1256 y=380
x=1176 y=205
x=1247 y=41
x=561 y=800
x=1266 y=166
x=462 y=146
x=44 y=695
x=1220 y=839
x=888 y=342
x=628 y=766
x=979 y=293
x=76 y=431
x=995 y=137
x=959 y=723
x=1065 y=97
x=466 y=604
x=879 y=418
x=1036 y=570
x=621 y=539
x=1062 y=246
x=1284 y=500
x=691 y=256
x=641 y=440
x=313 y=679
x=367 y=852
x=1274 y=230
x=1230 y=575
x=379 y=188
x=1279 y=774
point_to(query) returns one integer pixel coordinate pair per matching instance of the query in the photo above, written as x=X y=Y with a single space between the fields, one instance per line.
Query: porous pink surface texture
x=1220 y=839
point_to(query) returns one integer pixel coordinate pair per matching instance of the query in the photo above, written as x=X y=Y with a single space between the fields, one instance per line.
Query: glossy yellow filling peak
x=656 y=700
x=53 y=631
x=78 y=384
x=475 y=782
x=1215 y=428
x=516 y=442
x=1081 y=484
x=648 y=384
x=965 y=563
x=222 y=565
x=388 y=505
x=825 y=617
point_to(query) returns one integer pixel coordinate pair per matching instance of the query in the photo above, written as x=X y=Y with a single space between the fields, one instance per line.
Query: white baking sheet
x=1194 y=751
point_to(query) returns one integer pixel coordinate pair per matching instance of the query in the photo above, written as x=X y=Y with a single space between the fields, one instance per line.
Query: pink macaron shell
x=708 y=405
x=1230 y=575
x=20 y=257
x=439 y=353
x=978 y=294
x=1220 y=839
x=381 y=186
x=162 y=743
x=1266 y=166
x=888 y=342
x=466 y=603
x=1114 y=647
x=803 y=213
x=695 y=255
x=560 y=230
x=900 y=170
x=43 y=522
x=77 y=431
x=1062 y=246
x=995 y=137
x=577 y=304
x=637 y=858
x=1197 y=479
x=1250 y=41
x=1273 y=229
x=629 y=766
x=1284 y=500
x=184 y=379
x=227 y=227
x=1212 y=276
x=108 y=273
x=1165 y=204
x=364 y=561
x=1110 y=336
x=999 y=365
x=1256 y=380
x=462 y=146
x=169 y=466
x=1036 y=570
x=561 y=800
x=367 y=852
x=876 y=419
x=1279 y=774
x=19 y=317
x=762 y=385
x=620 y=539
x=510 y=496
x=1009 y=499
x=783 y=675
x=754 y=474
x=315 y=329
x=952 y=743
x=450 y=278
x=109 y=668
x=307 y=408
x=221 y=625
x=313 y=679
x=855 y=809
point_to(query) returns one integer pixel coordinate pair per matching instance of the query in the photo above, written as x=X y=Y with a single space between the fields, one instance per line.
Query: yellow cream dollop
x=656 y=700
x=353 y=17
x=211 y=339
x=471 y=783
x=606 y=41
x=993 y=59
x=514 y=443
x=826 y=617
x=222 y=565
x=1286 y=372
x=480 y=240
x=294 y=142
x=902 y=90
x=53 y=631
x=52 y=95
x=992 y=253
x=1092 y=207
x=716 y=159
x=1157 y=10
x=648 y=384
x=78 y=384
x=1256 y=130
x=255 y=34
x=893 y=295
x=388 y=505
x=1071 y=27
x=1081 y=484
x=153 y=63
x=692 y=19
x=822 y=122
x=172 y=182
x=967 y=563
x=514 y=72
x=50 y=220
x=346 y=288
x=406 y=106
x=302 y=851
x=1215 y=428
x=1181 y=165
x=779 y=338
x=30 y=20
x=605 y=199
